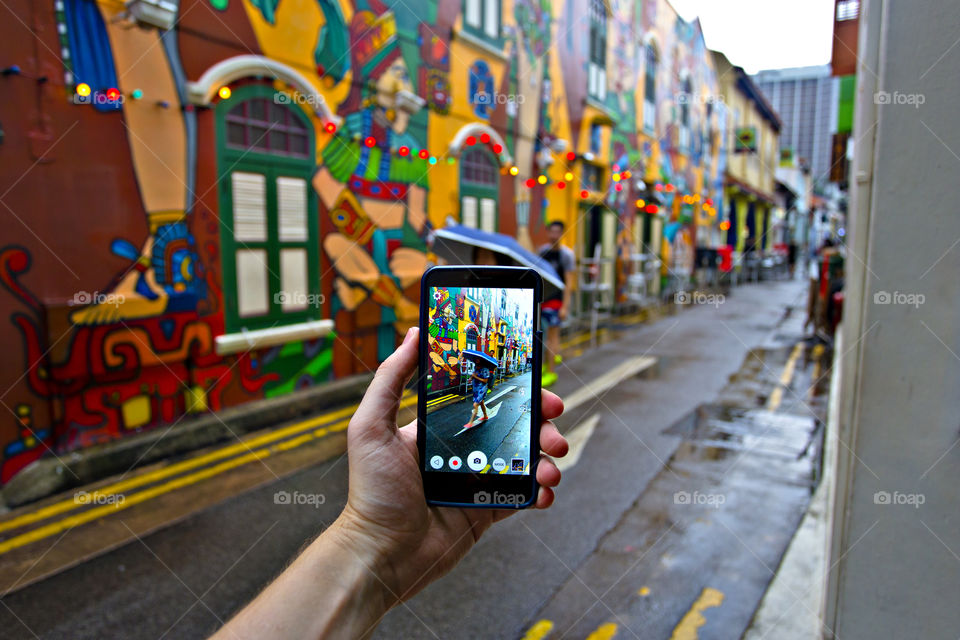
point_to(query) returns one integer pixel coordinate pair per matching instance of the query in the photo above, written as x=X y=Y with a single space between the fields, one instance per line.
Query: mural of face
x=395 y=96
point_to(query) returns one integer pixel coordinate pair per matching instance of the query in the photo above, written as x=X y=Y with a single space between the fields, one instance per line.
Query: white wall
x=896 y=567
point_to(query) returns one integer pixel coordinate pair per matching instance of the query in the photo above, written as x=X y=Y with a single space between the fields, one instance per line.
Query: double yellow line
x=436 y=401
x=248 y=449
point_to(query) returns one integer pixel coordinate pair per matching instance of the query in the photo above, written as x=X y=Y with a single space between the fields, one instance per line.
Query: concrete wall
x=895 y=565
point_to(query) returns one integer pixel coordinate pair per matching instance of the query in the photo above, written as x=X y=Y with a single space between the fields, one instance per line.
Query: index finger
x=550 y=404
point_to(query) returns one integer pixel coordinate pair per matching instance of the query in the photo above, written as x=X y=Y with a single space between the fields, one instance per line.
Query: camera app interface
x=479 y=380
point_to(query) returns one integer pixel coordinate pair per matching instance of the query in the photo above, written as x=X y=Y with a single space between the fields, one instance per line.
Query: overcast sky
x=765 y=34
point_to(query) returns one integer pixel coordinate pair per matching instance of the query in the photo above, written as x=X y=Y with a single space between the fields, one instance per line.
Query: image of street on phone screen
x=479 y=380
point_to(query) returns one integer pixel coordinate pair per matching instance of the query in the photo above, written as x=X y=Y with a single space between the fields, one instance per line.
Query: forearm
x=328 y=592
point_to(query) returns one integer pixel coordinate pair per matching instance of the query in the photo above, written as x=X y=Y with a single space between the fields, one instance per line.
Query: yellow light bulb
x=514 y=171
x=568 y=176
x=616 y=177
x=640 y=203
x=225 y=93
x=542 y=179
x=83 y=90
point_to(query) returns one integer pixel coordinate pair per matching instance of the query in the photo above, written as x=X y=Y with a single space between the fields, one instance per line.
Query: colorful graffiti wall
x=240 y=203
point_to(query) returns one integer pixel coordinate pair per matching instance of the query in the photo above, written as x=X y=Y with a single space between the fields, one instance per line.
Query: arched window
x=260 y=124
x=268 y=211
x=479 y=184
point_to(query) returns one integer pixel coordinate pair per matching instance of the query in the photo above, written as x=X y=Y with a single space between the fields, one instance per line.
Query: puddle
x=739 y=423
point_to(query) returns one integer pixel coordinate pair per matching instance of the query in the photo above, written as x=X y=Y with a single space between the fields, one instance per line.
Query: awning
x=455 y=243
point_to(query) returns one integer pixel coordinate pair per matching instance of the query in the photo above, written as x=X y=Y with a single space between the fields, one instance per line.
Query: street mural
x=211 y=208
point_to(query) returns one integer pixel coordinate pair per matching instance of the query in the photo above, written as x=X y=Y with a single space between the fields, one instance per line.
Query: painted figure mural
x=373 y=179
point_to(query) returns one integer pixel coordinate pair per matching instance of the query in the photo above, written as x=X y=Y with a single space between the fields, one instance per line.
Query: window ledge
x=480 y=43
x=230 y=343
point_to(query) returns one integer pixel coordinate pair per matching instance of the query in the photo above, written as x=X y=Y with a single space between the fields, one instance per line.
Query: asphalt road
x=503 y=436
x=572 y=570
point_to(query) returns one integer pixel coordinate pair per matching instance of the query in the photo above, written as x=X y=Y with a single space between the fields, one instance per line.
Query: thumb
x=380 y=403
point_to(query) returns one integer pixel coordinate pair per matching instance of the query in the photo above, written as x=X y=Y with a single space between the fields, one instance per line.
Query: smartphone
x=479 y=386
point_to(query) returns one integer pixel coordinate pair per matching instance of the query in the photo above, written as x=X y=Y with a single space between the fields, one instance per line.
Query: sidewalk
x=792 y=608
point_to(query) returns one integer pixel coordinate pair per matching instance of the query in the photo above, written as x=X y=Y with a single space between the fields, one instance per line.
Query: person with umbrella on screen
x=481 y=376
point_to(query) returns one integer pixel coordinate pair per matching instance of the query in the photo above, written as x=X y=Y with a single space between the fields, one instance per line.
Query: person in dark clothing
x=554 y=310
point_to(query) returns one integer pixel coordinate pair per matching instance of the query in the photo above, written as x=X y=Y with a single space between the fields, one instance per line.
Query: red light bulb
x=370 y=141
x=404 y=151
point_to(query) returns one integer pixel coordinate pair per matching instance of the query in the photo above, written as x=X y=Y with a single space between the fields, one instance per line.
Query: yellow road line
x=603 y=632
x=776 y=396
x=583 y=337
x=815 y=375
x=539 y=630
x=171 y=470
x=86 y=516
x=95 y=513
x=689 y=626
x=441 y=399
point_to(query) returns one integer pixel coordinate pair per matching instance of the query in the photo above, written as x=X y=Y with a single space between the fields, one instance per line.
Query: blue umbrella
x=455 y=243
x=480 y=356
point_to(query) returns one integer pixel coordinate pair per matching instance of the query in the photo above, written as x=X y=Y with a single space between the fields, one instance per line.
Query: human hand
x=387 y=522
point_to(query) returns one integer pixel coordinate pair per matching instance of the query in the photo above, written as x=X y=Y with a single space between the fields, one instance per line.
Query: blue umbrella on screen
x=479 y=357
x=455 y=244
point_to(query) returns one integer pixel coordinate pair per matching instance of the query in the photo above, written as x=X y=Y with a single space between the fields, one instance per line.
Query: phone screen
x=479 y=380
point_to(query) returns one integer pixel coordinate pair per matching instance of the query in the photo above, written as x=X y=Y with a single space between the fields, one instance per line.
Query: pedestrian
x=387 y=544
x=554 y=309
x=481 y=377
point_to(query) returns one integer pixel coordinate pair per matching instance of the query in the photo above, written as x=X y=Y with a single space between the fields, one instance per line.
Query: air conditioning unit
x=156 y=13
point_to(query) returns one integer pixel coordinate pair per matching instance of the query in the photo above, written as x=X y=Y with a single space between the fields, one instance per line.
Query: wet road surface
x=638 y=544
x=503 y=436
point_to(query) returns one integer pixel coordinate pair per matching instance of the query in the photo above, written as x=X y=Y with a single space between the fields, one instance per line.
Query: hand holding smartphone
x=479 y=408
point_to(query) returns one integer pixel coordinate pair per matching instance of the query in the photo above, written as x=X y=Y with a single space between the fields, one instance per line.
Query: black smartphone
x=479 y=386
